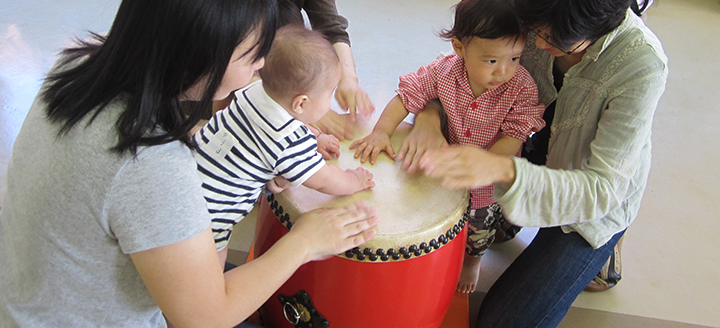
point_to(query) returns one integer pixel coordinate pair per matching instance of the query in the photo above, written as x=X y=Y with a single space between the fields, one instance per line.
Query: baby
x=263 y=133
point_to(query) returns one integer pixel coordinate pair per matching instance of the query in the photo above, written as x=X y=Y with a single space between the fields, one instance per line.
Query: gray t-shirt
x=74 y=211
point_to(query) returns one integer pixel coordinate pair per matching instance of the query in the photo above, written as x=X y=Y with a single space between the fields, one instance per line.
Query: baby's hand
x=328 y=145
x=364 y=178
x=372 y=145
x=278 y=184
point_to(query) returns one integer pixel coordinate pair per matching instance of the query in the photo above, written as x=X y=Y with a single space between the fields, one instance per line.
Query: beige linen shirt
x=599 y=151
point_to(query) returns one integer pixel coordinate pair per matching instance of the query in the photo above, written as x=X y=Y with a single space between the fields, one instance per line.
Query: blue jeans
x=541 y=284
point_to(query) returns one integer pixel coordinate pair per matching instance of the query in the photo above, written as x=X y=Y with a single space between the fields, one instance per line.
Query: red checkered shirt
x=512 y=109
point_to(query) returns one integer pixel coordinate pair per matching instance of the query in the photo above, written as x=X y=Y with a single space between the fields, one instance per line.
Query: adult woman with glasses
x=104 y=224
x=601 y=72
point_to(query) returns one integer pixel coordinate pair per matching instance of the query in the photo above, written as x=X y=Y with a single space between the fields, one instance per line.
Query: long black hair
x=154 y=52
x=571 y=21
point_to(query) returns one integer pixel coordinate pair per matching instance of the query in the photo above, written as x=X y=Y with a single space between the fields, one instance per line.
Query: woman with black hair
x=601 y=71
x=104 y=223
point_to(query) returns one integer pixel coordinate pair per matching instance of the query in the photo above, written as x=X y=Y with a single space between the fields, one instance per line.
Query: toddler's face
x=319 y=100
x=490 y=62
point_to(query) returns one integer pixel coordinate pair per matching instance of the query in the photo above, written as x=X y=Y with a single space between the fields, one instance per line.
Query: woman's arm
x=539 y=196
x=350 y=96
x=462 y=167
x=187 y=282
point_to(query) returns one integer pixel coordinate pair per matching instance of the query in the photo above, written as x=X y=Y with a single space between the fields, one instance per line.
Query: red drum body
x=404 y=277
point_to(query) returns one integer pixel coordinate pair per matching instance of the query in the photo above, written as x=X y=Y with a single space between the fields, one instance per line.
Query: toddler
x=488 y=100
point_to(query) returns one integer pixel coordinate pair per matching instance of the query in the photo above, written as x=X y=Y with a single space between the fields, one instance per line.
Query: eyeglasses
x=556 y=47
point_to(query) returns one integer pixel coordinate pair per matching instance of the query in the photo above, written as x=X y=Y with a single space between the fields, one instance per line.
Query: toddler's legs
x=481 y=233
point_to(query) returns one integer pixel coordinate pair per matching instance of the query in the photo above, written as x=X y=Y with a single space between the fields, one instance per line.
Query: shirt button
x=468 y=134
x=474 y=105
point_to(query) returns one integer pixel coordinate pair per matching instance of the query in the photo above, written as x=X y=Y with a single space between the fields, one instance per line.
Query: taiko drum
x=404 y=277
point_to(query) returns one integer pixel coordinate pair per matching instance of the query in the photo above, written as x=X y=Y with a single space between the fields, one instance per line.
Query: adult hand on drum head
x=460 y=167
x=425 y=135
x=328 y=231
x=416 y=144
x=340 y=126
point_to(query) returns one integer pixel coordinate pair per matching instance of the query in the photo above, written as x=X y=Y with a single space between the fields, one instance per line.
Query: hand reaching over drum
x=324 y=232
x=332 y=180
x=421 y=138
x=462 y=167
x=340 y=126
x=371 y=146
x=328 y=146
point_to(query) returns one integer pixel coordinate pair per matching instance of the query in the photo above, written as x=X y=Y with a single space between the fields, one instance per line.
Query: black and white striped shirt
x=242 y=148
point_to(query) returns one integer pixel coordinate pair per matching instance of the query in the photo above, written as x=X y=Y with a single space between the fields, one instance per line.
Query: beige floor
x=670 y=260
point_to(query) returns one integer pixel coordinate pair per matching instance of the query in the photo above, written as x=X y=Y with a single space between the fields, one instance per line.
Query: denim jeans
x=541 y=284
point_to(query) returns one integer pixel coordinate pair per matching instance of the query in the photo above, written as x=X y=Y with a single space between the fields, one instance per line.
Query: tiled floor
x=670 y=260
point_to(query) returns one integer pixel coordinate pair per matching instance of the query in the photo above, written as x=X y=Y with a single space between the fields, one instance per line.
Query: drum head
x=412 y=208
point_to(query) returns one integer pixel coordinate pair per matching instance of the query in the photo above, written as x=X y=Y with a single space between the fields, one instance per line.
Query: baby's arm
x=379 y=139
x=332 y=180
x=507 y=146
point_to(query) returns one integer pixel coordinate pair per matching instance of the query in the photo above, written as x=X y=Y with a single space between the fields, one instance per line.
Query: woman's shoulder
x=634 y=49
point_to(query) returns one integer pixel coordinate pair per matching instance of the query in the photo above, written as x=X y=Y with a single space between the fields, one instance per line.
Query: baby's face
x=319 y=100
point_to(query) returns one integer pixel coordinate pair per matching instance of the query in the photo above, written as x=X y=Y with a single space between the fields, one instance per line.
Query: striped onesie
x=242 y=148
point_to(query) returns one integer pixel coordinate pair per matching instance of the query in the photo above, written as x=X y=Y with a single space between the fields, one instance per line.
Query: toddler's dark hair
x=487 y=19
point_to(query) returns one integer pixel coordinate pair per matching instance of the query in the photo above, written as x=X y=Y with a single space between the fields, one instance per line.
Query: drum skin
x=414 y=292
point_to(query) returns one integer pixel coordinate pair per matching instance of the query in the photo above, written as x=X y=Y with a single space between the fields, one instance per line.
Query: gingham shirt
x=244 y=146
x=511 y=109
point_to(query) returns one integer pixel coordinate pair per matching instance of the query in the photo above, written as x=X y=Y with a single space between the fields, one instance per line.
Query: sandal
x=610 y=274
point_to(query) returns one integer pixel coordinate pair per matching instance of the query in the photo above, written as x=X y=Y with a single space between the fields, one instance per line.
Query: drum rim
x=396 y=247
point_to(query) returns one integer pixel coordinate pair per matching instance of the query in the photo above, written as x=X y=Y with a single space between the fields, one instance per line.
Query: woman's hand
x=425 y=135
x=328 y=231
x=340 y=126
x=461 y=167
x=420 y=140
x=351 y=97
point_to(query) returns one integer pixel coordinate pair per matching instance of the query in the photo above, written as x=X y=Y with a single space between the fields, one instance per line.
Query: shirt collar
x=593 y=52
x=265 y=112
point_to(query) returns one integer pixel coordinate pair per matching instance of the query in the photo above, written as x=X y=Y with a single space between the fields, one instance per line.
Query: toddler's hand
x=328 y=145
x=372 y=145
x=364 y=178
